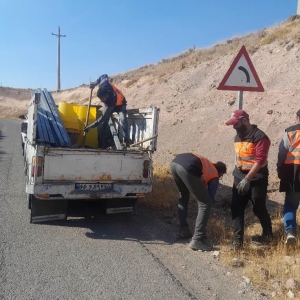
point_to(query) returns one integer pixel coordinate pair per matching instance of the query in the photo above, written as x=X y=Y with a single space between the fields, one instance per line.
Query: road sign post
x=240 y=97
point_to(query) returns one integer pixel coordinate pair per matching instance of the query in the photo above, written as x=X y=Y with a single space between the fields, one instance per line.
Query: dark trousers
x=186 y=184
x=104 y=133
x=257 y=193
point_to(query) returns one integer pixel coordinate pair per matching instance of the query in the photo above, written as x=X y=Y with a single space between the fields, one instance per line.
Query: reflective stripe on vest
x=208 y=169
x=245 y=155
x=120 y=96
x=293 y=156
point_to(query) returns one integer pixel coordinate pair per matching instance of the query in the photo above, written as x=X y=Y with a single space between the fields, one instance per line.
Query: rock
x=264 y=273
x=216 y=254
x=230 y=103
x=246 y=279
x=290 y=295
x=289 y=47
x=212 y=86
x=289 y=260
x=270 y=112
x=292 y=284
x=277 y=284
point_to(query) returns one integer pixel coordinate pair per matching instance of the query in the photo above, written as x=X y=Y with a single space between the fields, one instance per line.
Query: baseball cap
x=237 y=115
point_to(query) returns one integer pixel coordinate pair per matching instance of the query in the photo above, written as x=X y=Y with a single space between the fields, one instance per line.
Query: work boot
x=203 y=244
x=290 y=238
x=183 y=233
x=261 y=240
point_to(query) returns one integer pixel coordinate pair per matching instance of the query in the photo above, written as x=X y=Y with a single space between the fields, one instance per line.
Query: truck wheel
x=29 y=200
x=32 y=200
x=22 y=144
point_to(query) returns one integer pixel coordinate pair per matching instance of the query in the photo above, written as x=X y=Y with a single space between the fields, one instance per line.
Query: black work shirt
x=190 y=163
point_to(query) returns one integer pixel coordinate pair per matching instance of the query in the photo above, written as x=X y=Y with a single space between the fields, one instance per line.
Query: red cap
x=237 y=115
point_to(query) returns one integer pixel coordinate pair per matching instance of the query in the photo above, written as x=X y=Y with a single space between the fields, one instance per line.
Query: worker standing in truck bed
x=114 y=101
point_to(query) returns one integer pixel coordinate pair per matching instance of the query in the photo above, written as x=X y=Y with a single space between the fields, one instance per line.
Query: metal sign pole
x=240 y=106
x=240 y=97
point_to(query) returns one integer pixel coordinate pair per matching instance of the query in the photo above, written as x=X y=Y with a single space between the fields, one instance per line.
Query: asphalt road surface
x=106 y=257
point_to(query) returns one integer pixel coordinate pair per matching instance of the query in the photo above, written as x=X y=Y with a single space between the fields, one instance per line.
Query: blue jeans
x=290 y=207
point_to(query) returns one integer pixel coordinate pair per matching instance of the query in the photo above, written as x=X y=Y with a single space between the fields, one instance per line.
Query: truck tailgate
x=82 y=165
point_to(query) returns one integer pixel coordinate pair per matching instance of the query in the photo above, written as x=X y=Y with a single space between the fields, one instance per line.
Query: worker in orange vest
x=195 y=174
x=250 y=174
x=288 y=169
x=114 y=101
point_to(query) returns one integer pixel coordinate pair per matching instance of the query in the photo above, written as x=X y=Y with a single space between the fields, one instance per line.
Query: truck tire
x=29 y=200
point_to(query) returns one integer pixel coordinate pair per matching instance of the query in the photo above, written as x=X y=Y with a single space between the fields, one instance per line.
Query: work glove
x=92 y=85
x=243 y=186
x=86 y=129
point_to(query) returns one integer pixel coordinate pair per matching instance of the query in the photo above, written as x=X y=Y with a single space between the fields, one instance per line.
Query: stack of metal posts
x=50 y=127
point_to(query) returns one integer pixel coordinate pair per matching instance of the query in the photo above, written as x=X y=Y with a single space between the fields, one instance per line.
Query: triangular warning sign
x=241 y=75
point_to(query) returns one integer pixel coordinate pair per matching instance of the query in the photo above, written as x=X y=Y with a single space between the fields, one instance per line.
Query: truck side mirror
x=22 y=117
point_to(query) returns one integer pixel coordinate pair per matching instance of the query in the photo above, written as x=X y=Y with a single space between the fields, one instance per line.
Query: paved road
x=108 y=257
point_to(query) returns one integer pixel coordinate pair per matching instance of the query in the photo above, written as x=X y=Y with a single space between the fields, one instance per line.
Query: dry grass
x=264 y=266
x=270 y=265
x=164 y=195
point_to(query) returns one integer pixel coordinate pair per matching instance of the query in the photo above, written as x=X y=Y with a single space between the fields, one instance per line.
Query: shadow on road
x=143 y=225
x=152 y=226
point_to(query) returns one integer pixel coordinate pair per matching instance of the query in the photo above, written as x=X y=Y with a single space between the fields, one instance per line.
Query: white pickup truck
x=57 y=173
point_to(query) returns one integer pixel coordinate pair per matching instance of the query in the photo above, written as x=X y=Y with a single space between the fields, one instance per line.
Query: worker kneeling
x=197 y=175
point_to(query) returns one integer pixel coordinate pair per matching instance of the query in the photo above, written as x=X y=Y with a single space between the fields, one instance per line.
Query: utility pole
x=58 y=57
x=298 y=8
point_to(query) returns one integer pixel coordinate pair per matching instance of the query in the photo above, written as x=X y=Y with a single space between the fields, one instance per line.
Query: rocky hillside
x=193 y=111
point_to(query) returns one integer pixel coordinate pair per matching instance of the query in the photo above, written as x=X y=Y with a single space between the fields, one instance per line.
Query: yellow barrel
x=91 y=139
x=67 y=112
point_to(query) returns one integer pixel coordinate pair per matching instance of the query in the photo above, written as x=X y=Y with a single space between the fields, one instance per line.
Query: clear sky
x=115 y=36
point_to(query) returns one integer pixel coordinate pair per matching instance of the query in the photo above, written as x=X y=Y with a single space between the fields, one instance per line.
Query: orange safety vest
x=245 y=149
x=208 y=169
x=120 y=96
x=293 y=155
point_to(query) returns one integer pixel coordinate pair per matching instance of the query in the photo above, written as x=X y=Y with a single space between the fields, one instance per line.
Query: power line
x=58 y=57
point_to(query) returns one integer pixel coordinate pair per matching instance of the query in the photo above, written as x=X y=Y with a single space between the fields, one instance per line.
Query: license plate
x=93 y=186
